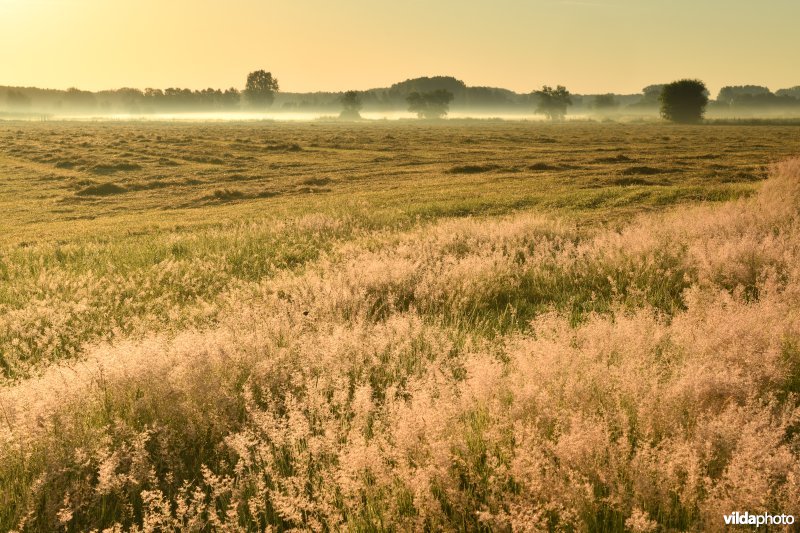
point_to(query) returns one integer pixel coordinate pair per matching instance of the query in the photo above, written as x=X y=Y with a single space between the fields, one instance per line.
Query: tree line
x=427 y=97
x=260 y=90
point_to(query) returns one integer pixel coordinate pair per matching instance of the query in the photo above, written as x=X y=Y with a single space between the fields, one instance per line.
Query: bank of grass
x=518 y=372
x=60 y=297
x=591 y=327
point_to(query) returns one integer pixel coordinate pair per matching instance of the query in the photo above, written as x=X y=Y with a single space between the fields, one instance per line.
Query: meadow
x=464 y=325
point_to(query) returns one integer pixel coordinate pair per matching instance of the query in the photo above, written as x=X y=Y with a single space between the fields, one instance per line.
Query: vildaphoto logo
x=747 y=519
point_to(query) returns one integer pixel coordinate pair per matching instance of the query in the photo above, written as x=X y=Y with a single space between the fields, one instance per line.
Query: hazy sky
x=588 y=45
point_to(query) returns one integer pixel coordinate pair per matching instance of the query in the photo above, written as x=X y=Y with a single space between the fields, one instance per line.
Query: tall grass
x=515 y=373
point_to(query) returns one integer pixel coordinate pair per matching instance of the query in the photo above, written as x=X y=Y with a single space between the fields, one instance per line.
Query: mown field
x=470 y=325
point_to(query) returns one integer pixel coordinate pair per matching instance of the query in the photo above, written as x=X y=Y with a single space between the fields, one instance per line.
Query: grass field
x=462 y=325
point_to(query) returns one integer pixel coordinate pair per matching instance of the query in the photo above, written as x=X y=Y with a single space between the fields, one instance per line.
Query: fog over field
x=390 y=103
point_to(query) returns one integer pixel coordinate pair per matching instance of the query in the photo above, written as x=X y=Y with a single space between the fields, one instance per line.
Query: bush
x=684 y=101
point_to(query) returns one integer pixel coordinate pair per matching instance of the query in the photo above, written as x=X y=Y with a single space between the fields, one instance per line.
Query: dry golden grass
x=367 y=357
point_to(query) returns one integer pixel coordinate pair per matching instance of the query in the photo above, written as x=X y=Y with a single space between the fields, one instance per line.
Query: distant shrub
x=684 y=101
x=351 y=105
x=551 y=102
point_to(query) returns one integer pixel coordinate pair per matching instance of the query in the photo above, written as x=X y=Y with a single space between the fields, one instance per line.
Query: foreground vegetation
x=370 y=328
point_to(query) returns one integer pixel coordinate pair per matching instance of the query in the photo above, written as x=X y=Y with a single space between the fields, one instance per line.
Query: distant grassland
x=456 y=325
x=112 y=178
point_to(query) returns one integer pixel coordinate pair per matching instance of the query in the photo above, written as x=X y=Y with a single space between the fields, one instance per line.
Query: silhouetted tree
x=231 y=98
x=428 y=85
x=684 y=101
x=485 y=97
x=434 y=104
x=552 y=102
x=651 y=94
x=794 y=92
x=261 y=88
x=763 y=101
x=153 y=94
x=351 y=105
x=729 y=93
x=605 y=101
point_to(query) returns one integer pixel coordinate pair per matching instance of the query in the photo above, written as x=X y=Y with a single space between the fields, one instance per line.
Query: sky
x=590 y=46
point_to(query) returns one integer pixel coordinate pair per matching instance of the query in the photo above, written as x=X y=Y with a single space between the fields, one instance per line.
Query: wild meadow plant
x=505 y=374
